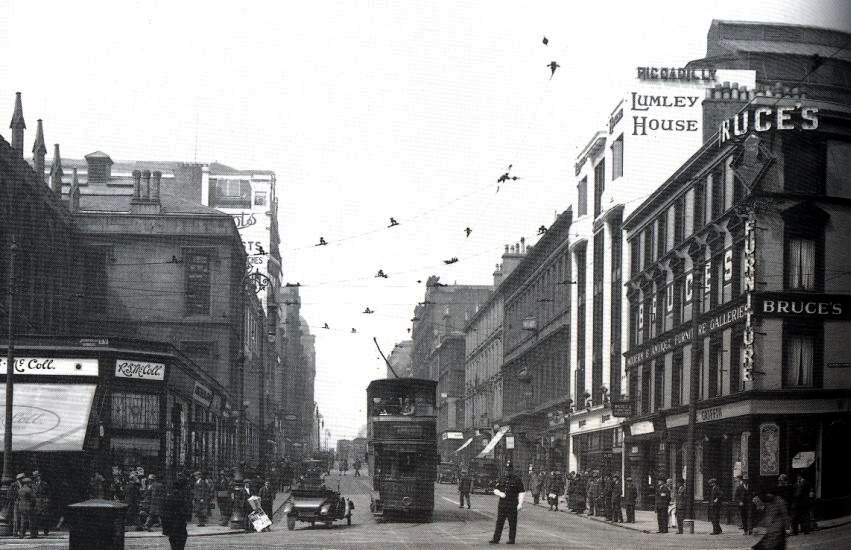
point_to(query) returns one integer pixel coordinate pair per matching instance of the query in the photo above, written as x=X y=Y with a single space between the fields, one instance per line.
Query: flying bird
x=467 y=230
x=381 y=274
x=451 y=260
x=545 y=41
x=542 y=230
x=368 y=311
x=553 y=66
x=354 y=330
x=260 y=250
x=326 y=326
x=321 y=242
x=393 y=222
x=419 y=281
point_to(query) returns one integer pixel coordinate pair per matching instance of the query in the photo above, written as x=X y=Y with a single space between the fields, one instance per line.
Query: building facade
x=742 y=309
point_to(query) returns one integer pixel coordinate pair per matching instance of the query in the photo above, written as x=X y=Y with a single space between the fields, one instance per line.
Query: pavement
x=645 y=521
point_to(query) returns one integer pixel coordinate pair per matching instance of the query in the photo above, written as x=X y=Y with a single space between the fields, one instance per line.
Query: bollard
x=688 y=526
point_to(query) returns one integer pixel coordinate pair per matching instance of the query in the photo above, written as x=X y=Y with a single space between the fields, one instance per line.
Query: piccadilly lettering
x=675 y=73
x=139 y=369
x=764 y=119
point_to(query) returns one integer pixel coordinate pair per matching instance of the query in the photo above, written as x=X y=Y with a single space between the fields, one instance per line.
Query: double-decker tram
x=402 y=446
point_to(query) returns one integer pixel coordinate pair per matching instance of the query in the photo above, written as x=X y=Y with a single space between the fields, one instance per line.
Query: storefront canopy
x=490 y=446
x=458 y=450
x=48 y=417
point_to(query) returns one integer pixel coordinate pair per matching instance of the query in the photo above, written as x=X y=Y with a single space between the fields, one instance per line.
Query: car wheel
x=290 y=523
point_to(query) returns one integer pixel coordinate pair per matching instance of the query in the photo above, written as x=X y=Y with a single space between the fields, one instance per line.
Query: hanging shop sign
x=139 y=370
x=622 y=409
x=764 y=119
x=555 y=418
x=202 y=394
x=800 y=304
x=51 y=366
x=804 y=459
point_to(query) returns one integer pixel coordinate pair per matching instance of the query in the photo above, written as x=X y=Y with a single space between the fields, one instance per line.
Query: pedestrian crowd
x=31 y=505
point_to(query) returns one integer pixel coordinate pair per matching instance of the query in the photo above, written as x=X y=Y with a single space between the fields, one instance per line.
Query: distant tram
x=402 y=446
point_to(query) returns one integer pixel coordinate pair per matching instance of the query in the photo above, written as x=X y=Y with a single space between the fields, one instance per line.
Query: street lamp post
x=6 y=481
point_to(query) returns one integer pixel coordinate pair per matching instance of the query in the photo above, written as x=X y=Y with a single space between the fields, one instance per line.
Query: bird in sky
x=368 y=311
x=321 y=242
x=393 y=222
x=354 y=330
x=542 y=230
x=326 y=326
x=553 y=66
x=381 y=274
x=505 y=177
x=545 y=41
x=409 y=330
x=419 y=281
x=467 y=230
x=414 y=319
x=451 y=260
x=260 y=250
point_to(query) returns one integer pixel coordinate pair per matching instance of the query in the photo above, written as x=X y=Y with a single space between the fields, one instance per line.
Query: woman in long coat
x=775 y=518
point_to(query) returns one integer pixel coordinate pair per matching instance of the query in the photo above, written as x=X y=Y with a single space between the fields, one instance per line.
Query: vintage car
x=446 y=473
x=485 y=474
x=312 y=502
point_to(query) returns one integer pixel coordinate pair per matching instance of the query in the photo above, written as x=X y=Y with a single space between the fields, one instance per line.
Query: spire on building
x=18 y=126
x=56 y=171
x=74 y=193
x=39 y=150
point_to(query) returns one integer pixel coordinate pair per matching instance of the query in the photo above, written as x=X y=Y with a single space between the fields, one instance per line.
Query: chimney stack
x=39 y=150
x=155 y=188
x=18 y=126
x=497 y=275
x=56 y=171
x=74 y=193
x=146 y=175
x=137 y=184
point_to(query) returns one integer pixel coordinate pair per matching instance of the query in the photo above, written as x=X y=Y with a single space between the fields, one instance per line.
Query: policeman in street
x=510 y=491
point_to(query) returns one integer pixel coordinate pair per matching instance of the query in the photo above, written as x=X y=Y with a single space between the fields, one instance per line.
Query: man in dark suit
x=715 y=506
x=802 y=499
x=510 y=491
x=744 y=499
x=630 y=493
x=663 y=499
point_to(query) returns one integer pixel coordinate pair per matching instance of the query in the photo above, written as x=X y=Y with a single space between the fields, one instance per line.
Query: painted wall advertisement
x=661 y=119
x=48 y=417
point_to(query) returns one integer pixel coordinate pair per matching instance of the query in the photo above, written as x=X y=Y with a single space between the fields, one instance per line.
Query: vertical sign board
x=750 y=284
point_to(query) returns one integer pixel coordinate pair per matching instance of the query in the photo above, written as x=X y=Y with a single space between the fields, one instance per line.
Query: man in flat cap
x=201 y=495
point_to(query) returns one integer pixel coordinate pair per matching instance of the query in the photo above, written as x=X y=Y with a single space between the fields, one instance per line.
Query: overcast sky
x=365 y=110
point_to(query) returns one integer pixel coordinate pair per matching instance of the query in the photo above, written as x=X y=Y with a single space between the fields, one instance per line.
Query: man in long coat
x=630 y=494
x=744 y=500
x=715 y=498
x=201 y=497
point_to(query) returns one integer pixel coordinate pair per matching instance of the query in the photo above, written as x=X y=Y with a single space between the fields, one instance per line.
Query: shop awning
x=490 y=446
x=458 y=450
x=48 y=417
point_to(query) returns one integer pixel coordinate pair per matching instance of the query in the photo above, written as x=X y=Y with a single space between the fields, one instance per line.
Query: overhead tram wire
x=408 y=219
